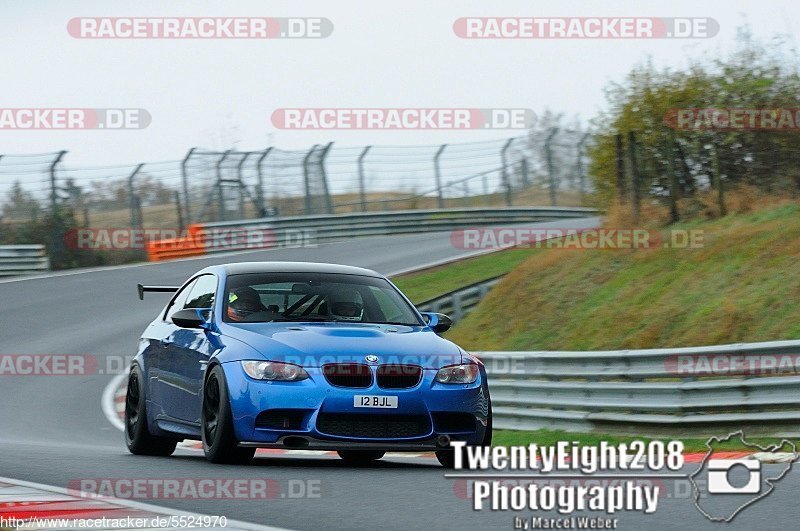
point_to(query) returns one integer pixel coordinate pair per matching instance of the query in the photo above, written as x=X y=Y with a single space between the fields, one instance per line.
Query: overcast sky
x=218 y=93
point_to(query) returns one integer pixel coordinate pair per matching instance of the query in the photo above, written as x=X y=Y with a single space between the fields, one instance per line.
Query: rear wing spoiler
x=155 y=289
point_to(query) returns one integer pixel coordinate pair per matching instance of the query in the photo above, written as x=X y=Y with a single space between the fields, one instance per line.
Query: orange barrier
x=190 y=245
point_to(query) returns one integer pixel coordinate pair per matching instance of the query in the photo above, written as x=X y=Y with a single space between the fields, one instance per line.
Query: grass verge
x=436 y=281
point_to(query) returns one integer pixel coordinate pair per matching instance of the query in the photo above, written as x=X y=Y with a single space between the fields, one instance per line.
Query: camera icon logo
x=720 y=471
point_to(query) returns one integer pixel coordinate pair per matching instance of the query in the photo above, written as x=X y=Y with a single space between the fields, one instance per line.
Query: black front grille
x=399 y=376
x=373 y=426
x=348 y=374
x=281 y=419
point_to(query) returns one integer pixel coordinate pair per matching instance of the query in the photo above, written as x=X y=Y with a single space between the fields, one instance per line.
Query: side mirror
x=191 y=318
x=438 y=322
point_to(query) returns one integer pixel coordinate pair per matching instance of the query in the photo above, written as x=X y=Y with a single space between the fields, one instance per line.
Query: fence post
x=262 y=209
x=723 y=209
x=579 y=167
x=136 y=221
x=634 y=175
x=551 y=171
x=241 y=183
x=53 y=188
x=56 y=248
x=674 y=215
x=185 y=179
x=179 y=211
x=220 y=194
x=362 y=194
x=523 y=168
x=438 y=175
x=618 y=148
x=506 y=177
x=306 y=181
x=324 y=175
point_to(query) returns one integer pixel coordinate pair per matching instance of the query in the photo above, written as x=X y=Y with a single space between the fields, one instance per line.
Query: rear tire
x=138 y=438
x=216 y=423
x=360 y=457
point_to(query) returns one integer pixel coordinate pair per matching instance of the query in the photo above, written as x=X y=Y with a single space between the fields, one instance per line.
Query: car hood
x=316 y=344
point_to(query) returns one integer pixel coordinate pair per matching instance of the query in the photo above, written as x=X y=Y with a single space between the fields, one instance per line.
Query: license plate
x=380 y=401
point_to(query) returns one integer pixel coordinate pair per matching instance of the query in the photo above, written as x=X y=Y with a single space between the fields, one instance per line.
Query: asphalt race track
x=52 y=428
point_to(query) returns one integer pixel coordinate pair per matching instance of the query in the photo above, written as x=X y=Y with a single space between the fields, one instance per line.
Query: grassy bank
x=743 y=284
x=433 y=282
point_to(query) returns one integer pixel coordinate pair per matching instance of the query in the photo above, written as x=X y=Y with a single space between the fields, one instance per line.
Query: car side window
x=179 y=300
x=202 y=293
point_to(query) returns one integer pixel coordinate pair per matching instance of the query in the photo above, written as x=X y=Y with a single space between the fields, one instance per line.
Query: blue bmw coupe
x=301 y=356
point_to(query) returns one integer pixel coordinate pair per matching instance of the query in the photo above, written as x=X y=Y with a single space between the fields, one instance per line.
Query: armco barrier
x=23 y=260
x=458 y=303
x=301 y=230
x=699 y=391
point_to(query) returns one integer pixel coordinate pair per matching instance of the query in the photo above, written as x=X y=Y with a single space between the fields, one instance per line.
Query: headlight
x=458 y=374
x=274 y=371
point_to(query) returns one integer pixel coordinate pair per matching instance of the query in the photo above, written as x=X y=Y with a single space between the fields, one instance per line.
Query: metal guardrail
x=23 y=260
x=458 y=303
x=210 y=238
x=327 y=228
x=699 y=391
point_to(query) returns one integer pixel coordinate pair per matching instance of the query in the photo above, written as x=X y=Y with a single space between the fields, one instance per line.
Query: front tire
x=219 y=442
x=137 y=437
x=360 y=457
x=447 y=458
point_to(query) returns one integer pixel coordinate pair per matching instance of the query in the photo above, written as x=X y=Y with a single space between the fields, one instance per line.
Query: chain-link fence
x=539 y=169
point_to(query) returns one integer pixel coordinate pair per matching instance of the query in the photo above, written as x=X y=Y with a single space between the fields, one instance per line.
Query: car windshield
x=311 y=297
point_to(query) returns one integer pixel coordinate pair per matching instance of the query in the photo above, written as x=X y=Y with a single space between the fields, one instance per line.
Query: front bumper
x=320 y=416
x=306 y=442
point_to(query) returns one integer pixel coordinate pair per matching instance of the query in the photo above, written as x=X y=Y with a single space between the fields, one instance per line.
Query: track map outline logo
x=717 y=476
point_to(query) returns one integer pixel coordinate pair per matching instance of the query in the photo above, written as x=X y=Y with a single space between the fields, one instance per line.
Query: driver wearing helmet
x=346 y=306
x=242 y=302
